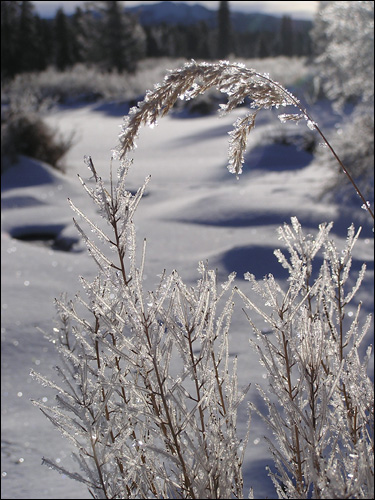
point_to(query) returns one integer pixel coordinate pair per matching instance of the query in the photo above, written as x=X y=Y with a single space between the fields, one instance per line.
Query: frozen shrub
x=148 y=393
x=343 y=36
x=87 y=83
x=28 y=134
x=319 y=398
x=23 y=131
x=143 y=427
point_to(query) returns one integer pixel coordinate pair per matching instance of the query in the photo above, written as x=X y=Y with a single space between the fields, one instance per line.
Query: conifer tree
x=286 y=37
x=122 y=39
x=63 y=41
x=9 y=46
x=224 y=42
x=262 y=48
x=27 y=52
x=84 y=25
x=115 y=37
x=21 y=39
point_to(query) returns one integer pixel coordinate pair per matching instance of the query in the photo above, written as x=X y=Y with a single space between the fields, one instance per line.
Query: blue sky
x=297 y=10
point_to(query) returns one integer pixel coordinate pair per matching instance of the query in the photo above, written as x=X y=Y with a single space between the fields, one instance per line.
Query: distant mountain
x=175 y=13
x=172 y=13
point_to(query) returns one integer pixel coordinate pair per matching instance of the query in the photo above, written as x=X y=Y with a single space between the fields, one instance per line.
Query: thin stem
x=196 y=380
x=345 y=170
x=297 y=448
x=169 y=423
x=307 y=116
x=120 y=466
x=351 y=413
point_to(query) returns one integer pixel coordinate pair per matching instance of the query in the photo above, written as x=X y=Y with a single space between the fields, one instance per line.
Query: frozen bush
x=23 y=130
x=87 y=83
x=343 y=36
x=319 y=398
x=143 y=428
x=27 y=134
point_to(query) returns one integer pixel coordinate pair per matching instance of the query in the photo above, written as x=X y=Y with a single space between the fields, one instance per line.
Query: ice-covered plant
x=239 y=83
x=148 y=393
x=343 y=38
x=319 y=398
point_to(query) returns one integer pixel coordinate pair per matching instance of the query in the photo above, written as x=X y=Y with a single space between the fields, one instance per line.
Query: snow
x=193 y=210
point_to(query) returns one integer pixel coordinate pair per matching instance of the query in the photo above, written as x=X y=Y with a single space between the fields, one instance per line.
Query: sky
x=297 y=10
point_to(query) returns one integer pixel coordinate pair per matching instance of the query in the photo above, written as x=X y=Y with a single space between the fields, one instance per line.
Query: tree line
x=104 y=34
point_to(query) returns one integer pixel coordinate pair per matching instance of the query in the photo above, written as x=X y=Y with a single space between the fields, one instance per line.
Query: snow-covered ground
x=193 y=210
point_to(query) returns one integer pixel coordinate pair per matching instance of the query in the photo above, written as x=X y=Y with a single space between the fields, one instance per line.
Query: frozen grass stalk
x=238 y=82
x=148 y=391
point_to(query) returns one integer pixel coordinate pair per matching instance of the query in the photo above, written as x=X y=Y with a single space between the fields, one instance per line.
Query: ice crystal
x=311 y=124
x=296 y=117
